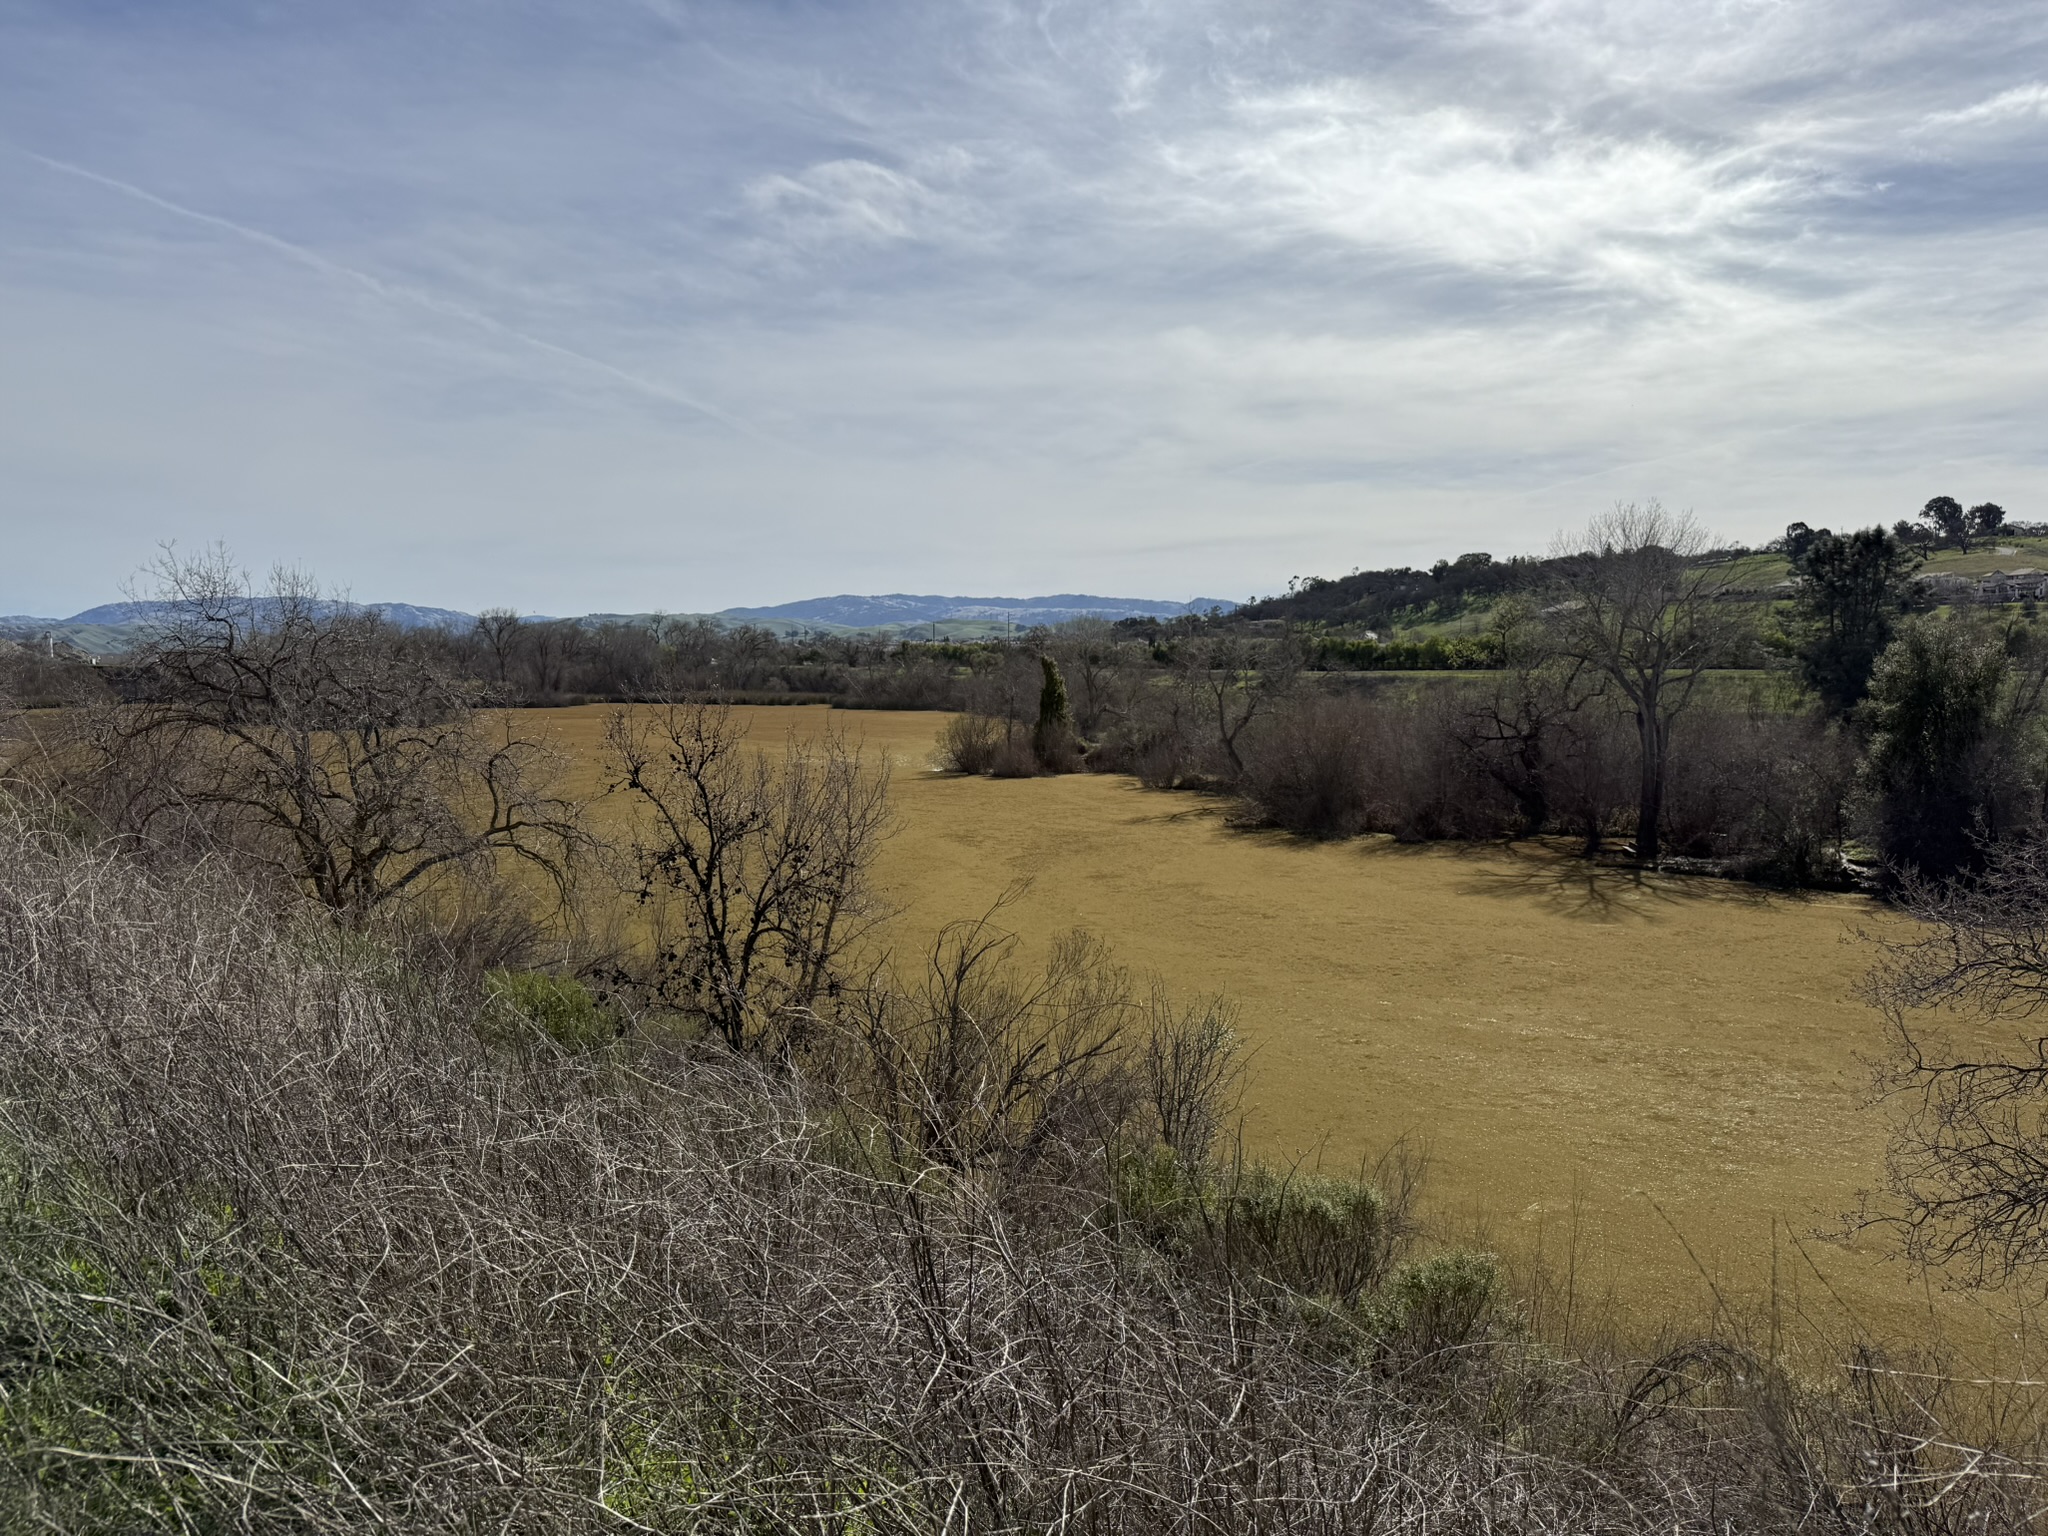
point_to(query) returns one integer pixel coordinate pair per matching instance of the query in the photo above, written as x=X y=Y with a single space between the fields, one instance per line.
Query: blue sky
x=624 y=304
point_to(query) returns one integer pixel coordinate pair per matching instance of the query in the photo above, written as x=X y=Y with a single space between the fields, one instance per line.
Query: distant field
x=1998 y=555
x=1579 y=1051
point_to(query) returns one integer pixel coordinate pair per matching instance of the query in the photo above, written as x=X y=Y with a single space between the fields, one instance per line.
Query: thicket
x=1631 y=704
x=1638 y=633
x=313 y=1225
x=579 y=661
x=1434 y=653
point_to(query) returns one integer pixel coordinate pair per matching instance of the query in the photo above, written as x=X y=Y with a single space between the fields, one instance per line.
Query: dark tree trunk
x=1650 y=795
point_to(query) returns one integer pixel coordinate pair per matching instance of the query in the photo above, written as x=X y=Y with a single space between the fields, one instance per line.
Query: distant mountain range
x=895 y=609
x=404 y=615
x=114 y=627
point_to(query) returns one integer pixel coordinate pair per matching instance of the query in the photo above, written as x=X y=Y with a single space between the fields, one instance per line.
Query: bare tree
x=1968 y=1164
x=690 y=648
x=1093 y=658
x=758 y=871
x=748 y=649
x=1641 y=608
x=322 y=742
x=499 y=630
x=551 y=647
x=1236 y=682
x=1518 y=725
x=1191 y=1071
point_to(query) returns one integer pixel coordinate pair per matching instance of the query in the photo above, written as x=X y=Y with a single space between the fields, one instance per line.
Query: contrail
x=399 y=293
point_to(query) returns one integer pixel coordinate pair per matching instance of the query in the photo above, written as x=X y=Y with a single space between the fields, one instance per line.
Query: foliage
x=559 y=1007
x=1377 y=599
x=1439 y=1303
x=1052 y=737
x=1435 y=653
x=1950 y=524
x=1932 y=764
x=1851 y=590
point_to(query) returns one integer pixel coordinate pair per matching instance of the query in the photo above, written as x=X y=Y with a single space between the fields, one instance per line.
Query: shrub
x=1379 y=762
x=560 y=1007
x=1309 y=773
x=969 y=743
x=1318 y=1236
x=1436 y=1304
x=977 y=1063
x=1014 y=757
x=1430 y=786
x=1310 y=1235
x=913 y=682
x=1766 y=791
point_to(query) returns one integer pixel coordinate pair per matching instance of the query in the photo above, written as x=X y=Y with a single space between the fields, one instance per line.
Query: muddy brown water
x=1663 y=1079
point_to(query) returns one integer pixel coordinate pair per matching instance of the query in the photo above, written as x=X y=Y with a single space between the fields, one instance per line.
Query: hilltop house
x=1947 y=588
x=2012 y=586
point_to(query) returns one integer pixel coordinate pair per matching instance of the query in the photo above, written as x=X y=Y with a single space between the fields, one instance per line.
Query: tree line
x=1633 y=703
x=1629 y=703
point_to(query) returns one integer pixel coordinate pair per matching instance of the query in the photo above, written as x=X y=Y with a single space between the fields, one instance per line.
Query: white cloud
x=1467 y=188
x=842 y=201
x=2022 y=103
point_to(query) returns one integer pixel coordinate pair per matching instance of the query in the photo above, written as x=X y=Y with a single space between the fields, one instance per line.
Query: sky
x=616 y=305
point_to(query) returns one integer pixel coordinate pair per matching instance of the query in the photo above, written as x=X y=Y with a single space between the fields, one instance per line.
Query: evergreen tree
x=1053 y=740
x=1930 y=769
x=1852 y=589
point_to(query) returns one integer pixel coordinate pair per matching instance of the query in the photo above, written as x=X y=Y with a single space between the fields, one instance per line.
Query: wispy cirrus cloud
x=1126 y=290
x=840 y=200
x=2021 y=104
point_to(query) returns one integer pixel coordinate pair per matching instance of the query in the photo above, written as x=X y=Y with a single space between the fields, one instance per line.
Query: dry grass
x=1662 y=1077
x=302 y=1232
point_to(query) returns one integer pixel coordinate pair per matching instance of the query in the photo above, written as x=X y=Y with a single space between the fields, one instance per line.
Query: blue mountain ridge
x=115 y=626
x=404 y=615
x=913 y=608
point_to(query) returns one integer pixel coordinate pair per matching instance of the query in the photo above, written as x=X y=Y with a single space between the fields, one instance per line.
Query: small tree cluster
x=1950 y=524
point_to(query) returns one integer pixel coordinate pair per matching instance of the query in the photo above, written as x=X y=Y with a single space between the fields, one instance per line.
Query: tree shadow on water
x=1569 y=884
